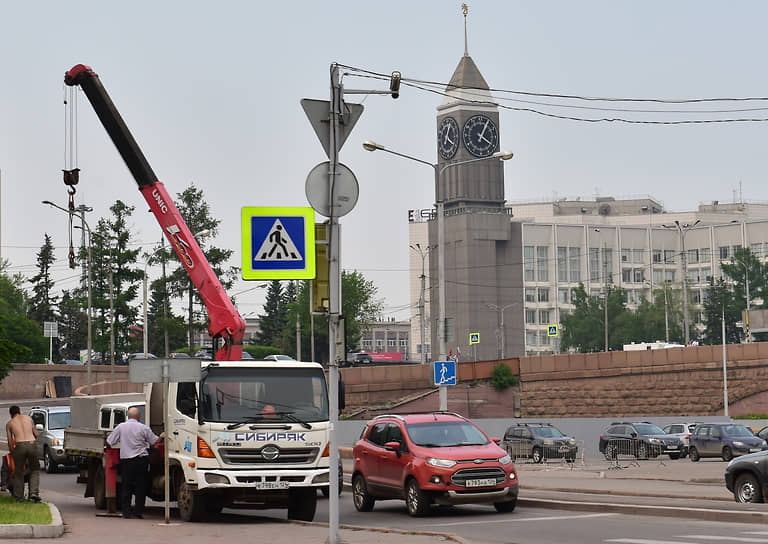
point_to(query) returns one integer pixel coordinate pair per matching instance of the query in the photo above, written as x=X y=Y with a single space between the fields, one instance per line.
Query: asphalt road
x=476 y=524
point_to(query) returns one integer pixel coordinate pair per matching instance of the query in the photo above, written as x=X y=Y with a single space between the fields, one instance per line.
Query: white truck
x=251 y=434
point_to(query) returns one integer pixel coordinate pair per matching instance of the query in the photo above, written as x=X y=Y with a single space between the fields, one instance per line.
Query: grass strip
x=12 y=512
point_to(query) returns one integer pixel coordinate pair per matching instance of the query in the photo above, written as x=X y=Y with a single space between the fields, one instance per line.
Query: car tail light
x=601 y=437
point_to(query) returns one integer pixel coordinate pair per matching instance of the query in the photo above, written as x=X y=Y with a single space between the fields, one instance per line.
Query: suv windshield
x=235 y=395
x=547 y=432
x=443 y=434
x=646 y=429
x=736 y=430
x=58 y=420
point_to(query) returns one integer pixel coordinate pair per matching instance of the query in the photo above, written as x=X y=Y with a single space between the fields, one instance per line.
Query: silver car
x=683 y=431
x=50 y=422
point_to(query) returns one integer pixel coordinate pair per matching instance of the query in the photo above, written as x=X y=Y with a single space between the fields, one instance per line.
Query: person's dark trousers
x=134 y=477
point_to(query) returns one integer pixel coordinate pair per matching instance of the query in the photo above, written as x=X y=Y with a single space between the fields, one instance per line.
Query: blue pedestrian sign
x=444 y=372
x=552 y=330
x=474 y=338
x=278 y=243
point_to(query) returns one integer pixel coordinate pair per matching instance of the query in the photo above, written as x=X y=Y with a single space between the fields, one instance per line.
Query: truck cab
x=113 y=414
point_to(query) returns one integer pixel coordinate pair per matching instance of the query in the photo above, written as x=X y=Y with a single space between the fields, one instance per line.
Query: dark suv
x=639 y=439
x=726 y=440
x=538 y=441
x=439 y=458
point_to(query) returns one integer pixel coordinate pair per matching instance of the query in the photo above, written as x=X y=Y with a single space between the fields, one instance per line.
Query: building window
x=530 y=338
x=542 y=263
x=367 y=343
x=574 y=263
x=626 y=255
x=530 y=294
x=391 y=342
x=639 y=274
x=669 y=256
x=562 y=264
x=705 y=255
x=530 y=317
x=543 y=294
x=669 y=275
x=529 y=264
x=638 y=256
x=706 y=274
x=657 y=256
x=757 y=249
x=544 y=317
x=564 y=296
x=379 y=342
x=724 y=252
x=693 y=256
x=626 y=275
x=658 y=276
x=696 y=296
x=594 y=264
x=403 y=343
x=544 y=339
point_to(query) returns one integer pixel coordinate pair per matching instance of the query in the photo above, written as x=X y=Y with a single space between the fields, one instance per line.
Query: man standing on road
x=134 y=438
x=20 y=432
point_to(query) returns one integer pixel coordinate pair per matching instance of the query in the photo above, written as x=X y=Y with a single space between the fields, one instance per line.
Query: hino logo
x=270 y=453
x=159 y=201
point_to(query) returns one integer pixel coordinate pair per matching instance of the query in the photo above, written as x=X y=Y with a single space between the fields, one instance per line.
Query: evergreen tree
x=720 y=300
x=43 y=301
x=198 y=217
x=272 y=323
x=73 y=325
x=744 y=268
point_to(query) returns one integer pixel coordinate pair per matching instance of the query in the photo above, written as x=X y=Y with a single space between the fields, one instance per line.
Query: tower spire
x=465 y=10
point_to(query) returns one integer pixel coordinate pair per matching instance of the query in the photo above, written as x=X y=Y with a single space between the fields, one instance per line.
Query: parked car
x=640 y=439
x=538 y=441
x=439 y=458
x=131 y=356
x=247 y=356
x=204 y=354
x=50 y=422
x=179 y=355
x=276 y=357
x=683 y=432
x=354 y=359
x=762 y=433
x=72 y=361
x=747 y=477
x=726 y=440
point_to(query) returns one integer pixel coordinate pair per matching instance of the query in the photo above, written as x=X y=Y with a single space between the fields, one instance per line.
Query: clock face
x=480 y=136
x=448 y=138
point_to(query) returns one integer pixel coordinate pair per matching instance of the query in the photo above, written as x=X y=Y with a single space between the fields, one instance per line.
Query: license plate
x=271 y=485
x=754 y=450
x=485 y=482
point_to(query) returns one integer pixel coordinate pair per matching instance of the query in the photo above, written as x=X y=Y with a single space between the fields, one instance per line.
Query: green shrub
x=502 y=377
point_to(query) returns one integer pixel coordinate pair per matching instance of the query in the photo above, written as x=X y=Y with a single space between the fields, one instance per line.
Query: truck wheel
x=48 y=462
x=99 y=488
x=302 y=502
x=191 y=505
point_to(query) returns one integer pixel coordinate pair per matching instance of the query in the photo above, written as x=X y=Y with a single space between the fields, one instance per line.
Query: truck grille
x=460 y=477
x=254 y=456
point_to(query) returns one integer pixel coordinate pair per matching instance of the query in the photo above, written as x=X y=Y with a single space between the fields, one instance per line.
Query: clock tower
x=483 y=250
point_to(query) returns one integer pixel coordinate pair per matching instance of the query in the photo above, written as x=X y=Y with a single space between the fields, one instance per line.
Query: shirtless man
x=21 y=434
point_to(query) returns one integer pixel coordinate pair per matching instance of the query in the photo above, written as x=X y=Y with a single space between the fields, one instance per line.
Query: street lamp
x=89 y=346
x=683 y=230
x=502 y=330
x=422 y=253
x=605 y=284
x=501 y=155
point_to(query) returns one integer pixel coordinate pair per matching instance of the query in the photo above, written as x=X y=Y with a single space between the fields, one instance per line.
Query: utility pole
x=422 y=317
x=683 y=230
x=298 y=326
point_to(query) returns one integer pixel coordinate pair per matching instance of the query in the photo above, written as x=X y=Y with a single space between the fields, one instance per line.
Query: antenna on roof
x=465 y=10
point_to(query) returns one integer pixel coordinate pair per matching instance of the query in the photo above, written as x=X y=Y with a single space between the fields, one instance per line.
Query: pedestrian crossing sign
x=278 y=243
x=552 y=330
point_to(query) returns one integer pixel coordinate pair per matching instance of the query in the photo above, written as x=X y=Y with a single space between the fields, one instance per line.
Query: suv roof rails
x=529 y=423
x=397 y=416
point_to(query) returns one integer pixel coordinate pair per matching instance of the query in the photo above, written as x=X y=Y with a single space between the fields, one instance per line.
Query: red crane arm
x=225 y=321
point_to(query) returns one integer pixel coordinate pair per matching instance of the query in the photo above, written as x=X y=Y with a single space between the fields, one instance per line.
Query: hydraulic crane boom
x=224 y=320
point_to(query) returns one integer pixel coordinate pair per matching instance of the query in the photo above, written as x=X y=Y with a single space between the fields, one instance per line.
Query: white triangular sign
x=278 y=246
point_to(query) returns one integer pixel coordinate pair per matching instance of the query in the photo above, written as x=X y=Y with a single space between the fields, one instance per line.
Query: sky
x=211 y=91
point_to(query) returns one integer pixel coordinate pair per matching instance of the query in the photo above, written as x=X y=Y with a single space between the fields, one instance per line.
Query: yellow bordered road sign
x=553 y=330
x=278 y=243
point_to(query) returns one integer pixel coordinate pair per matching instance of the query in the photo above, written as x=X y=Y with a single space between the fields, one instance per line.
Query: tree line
x=116 y=276
x=724 y=299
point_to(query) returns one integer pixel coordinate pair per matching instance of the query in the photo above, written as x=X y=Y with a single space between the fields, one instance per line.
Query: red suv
x=438 y=457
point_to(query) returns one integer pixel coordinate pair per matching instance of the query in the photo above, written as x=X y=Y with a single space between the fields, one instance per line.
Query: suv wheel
x=363 y=501
x=536 y=455
x=642 y=451
x=610 y=451
x=48 y=462
x=415 y=499
x=747 y=489
x=504 y=507
x=693 y=453
x=727 y=453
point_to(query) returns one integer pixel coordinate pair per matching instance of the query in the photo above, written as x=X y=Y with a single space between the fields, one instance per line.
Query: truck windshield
x=58 y=420
x=233 y=395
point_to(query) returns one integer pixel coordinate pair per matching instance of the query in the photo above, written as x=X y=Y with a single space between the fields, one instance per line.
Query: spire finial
x=465 y=10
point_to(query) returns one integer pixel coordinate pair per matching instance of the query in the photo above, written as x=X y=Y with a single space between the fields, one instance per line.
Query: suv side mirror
x=393 y=446
x=496 y=440
x=633 y=434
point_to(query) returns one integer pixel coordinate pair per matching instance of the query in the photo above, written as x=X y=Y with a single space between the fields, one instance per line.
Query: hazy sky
x=211 y=93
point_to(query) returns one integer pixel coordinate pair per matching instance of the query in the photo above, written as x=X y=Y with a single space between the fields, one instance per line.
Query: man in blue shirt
x=135 y=439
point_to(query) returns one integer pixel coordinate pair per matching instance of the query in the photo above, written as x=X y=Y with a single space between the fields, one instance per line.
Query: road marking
x=729 y=538
x=507 y=520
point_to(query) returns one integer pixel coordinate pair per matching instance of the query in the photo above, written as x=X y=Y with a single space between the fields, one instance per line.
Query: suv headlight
x=442 y=463
x=738 y=443
x=654 y=441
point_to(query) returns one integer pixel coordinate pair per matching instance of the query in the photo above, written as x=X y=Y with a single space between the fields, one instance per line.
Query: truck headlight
x=442 y=463
x=212 y=478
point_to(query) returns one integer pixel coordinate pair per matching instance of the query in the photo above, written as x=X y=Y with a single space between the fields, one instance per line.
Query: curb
x=386 y=530
x=21 y=530
x=616 y=493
